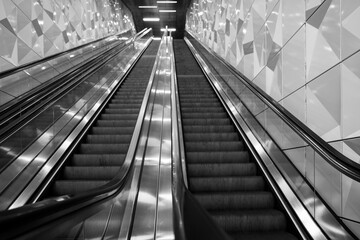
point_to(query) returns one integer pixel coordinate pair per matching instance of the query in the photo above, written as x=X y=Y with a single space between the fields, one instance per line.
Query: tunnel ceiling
x=170 y=19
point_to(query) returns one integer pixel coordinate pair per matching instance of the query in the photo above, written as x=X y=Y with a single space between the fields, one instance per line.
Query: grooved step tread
x=226 y=184
x=112 y=130
x=102 y=139
x=250 y=220
x=98 y=159
x=214 y=146
x=218 y=157
x=211 y=137
x=90 y=172
x=221 y=169
x=236 y=200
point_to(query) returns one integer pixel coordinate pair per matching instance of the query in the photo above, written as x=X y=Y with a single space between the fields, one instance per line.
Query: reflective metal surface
x=19 y=181
x=153 y=215
x=282 y=189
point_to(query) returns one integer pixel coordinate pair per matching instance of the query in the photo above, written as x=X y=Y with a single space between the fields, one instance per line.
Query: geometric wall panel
x=33 y=29
x=303 y=54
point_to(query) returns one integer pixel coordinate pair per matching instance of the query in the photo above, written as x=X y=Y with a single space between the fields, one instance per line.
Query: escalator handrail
x=35 y=215
x=10 y=110
x=342 y=163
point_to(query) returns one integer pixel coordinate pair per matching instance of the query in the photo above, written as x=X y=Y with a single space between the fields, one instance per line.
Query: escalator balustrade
x=221 y=173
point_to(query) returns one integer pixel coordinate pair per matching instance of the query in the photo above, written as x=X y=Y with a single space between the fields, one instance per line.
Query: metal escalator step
x=121 y=111
x=202 y=110
x=218 y=157
x=236 y=200
x=186 y=115
x=214 y=146
x=112 y=130
x=115 y=123
x=204 y=121
x=263 y=235
x=210 y=137
x=250 y=220
x=198 y=100
x=202 y=104
x=108 y=138
x=226 y=184
x=103 y=148
x=70 y=187
x=126 y=101
x=221 y=169
x=97 y=159
x=125 y=97
x=209 y=129
x=199 y=95
x=90 y=172
x=197 y=91
x=125 y=105
x=107 y=116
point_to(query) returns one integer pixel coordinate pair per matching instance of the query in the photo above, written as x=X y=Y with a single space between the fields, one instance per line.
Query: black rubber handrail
x=19 y=221
x=331 y=155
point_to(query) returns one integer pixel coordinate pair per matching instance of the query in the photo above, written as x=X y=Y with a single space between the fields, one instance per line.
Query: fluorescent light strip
x=166 y=1
x=147 y=6
x=151 y=19
x=169 y=29
x=167 y=11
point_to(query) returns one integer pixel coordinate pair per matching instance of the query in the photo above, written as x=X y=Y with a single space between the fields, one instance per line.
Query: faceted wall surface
x=303 y=53
x=33 y=29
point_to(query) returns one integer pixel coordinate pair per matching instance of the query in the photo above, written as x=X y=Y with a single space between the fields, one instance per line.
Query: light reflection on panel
x=328 y=183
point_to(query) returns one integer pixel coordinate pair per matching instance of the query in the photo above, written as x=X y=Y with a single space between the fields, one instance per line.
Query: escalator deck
x=102 y=151
x=221 y=174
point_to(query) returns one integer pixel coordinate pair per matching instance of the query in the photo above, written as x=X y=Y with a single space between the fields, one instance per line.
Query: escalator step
x=127 y=101
x=108 y=138
x=69 y=187
x=98 y=159
x=125 y=105
x=194 y=137
x=263 y=235
x=112 y=130
x=198 y=100
x=203 y=104
x=209 y=129
x=117 y=123
x=226 y=184
x=90 y=172
x=121 y=111
x=250 y=220
x=103 y=148
x=236 y=200
x=204 y=115
x=221 y=169
x=218 y=157
x=118 y=116
x=214 y=146
x=202 y=110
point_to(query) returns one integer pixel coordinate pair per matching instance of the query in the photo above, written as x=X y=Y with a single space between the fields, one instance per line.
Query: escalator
x=222 y=175
x=102 y=150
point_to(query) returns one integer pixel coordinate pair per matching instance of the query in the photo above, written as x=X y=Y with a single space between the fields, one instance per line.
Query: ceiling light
x=147 y=6
x=169 y=29
x=166 y=1
x=151 y=19
x=167 y=11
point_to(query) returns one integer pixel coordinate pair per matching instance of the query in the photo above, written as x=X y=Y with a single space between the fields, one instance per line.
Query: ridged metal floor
x=221 y=174
x=102 y=151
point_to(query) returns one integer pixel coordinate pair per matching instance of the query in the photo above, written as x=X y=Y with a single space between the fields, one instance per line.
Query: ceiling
x=171 y=19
